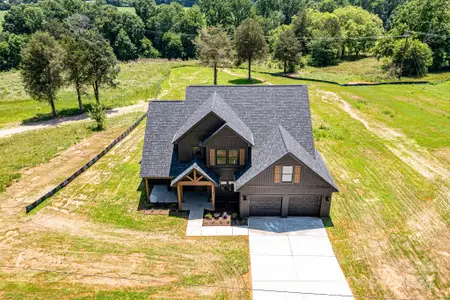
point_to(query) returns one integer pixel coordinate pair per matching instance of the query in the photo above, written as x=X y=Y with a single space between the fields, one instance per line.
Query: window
x=196 y=151
x=286 y=173
x=227 y=186
x=221 y=157
x=233 y=157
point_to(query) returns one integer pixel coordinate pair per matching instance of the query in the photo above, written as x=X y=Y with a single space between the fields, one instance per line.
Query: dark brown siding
x=226 y=139
x=307 y=176
x=196 y=135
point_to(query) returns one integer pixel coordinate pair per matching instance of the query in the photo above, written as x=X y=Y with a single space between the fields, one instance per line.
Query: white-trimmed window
x=286 y=173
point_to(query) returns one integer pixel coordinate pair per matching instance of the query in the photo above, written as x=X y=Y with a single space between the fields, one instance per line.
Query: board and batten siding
x=265 y=184
x=224 y=140
x=307 y=176
x=197 y=134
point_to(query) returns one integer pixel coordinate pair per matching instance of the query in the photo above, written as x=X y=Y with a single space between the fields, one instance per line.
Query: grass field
x=127 y=9
x=2 y=16
x=388 y=148
x=137 y=81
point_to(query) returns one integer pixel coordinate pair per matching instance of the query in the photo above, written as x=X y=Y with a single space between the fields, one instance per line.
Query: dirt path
x=141 y=106
x=238 y=75
x=400 y=145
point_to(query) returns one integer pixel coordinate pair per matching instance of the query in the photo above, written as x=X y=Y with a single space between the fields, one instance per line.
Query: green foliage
x=217 y=12
x=323 y=53
x=356 y=22
x=11 y=46
x=42 y=68
x=173 y=47
x=240 y=11
x=250 y=43
x=214 y=48
x=100 y=62
x=288 y=50
x=432 y=18
x=125 y=49
x=75 y=62
x=147 y=49
x=97 y=113
x=24 y=19
x=145 y=9
x=418 y=57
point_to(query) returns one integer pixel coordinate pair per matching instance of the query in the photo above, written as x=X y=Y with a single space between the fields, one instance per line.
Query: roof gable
x=279 y=144
x=189 y=170
x=216 y=105
x=221 y=129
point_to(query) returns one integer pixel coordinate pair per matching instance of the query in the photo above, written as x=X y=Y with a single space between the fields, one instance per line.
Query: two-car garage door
x=299 y=205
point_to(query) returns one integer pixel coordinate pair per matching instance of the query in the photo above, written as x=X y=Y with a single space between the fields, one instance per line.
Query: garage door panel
x=304 y=205
x=265 y=205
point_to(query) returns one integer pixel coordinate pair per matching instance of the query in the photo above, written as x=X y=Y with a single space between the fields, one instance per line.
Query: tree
x=417 y=57
x=356 y=22
x=213 y=48
x=145 y=9
x=217 y=12
x=124 y=48
x=323 y=52
x=23 y=19
x=42 y=68
x=188 y=24
x=288 y=50
x=432 y=19
x=100 y=62
x=75 y=64
x=11 y=46
x=147 y=49
x=240 y=10
x=250 y=43
x=173 y=46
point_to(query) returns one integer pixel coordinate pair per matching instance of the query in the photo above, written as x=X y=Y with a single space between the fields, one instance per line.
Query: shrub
x=418 y=57
x=208 y=216
x=323 y=53
x=97 y=113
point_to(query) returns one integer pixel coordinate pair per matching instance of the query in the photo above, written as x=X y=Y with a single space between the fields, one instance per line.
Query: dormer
x=213 y=123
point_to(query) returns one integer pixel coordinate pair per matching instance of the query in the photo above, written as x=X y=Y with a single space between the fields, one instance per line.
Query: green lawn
x=2 y=16
x=127 y=9
x=137 y=81
x=388 y=148
x=29 y=149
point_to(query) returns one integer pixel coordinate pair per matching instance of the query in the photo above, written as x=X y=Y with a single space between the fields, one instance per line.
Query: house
x=250 y=144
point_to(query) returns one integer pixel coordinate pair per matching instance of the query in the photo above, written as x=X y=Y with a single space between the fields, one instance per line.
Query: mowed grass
x=389 y=223
x=348 y=71
x=135 y=256
x=2 y=17
x=137 y=81
x=29 y=149
x=131 y=10
x=174 y=86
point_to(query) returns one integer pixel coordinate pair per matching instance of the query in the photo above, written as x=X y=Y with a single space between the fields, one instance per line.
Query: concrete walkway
x=292 y=258
x=141 y=106
x=196 y=203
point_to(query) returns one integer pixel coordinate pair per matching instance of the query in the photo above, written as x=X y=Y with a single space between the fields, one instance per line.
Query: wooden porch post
x=147 y=192
x=213 y=196
x=180 y=195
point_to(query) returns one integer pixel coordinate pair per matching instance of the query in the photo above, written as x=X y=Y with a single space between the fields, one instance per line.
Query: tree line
x=78 y=43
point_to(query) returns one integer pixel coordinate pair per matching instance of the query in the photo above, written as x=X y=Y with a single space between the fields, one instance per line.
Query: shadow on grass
x=327 y=222
x=245 y=81
x=74 y=113
x=168 y=209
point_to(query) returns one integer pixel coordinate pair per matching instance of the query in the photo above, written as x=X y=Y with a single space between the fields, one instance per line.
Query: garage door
x=265 y=205
x=304 y=205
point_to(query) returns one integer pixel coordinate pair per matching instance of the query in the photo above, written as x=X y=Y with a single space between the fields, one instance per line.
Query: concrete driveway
x=292 y=258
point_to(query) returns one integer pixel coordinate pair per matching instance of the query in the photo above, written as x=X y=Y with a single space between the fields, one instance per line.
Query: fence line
x=84 y=168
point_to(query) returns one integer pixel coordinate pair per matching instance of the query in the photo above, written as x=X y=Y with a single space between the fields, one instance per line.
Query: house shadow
x=291 y=225
x=164 y=209
x=244 y=81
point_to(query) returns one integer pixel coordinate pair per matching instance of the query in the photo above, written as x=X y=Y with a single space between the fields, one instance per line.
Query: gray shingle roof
x=260 y=108
x=215 y=104
x=278 y=144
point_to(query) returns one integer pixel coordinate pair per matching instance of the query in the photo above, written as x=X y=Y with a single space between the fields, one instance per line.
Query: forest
x=412 y=37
